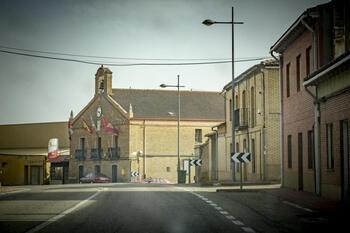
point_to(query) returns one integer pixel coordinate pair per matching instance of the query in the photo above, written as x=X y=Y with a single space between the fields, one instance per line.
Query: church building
x=131 y=134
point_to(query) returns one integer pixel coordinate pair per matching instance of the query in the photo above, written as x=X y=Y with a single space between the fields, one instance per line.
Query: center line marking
x=230 y=217
x=218 y=208
x=237 y=222
x=224 y=212
x=248 y=229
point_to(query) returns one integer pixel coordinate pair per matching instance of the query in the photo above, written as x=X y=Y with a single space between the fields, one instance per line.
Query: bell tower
x=103 y=81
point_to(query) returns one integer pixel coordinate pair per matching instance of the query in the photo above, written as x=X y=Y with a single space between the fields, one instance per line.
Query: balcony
x=80 y=154
x=241 y=118
x=114 y=153
x=96 y=154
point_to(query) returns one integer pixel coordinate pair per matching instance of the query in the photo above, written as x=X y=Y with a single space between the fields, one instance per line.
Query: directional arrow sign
x=240 y=157
x=195 y=162
x=134 y=174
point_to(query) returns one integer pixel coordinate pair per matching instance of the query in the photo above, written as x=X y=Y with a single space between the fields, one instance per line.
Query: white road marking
x=224 y=212
x=64 y=213
x=237 y=222
x=297 y=206
x=248 y=229
x=230 y=217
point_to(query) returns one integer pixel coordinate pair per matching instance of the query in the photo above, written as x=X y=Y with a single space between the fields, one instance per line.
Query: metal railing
x=113 y=153
x=96 y=154
x=80 y=154
x=241 y=118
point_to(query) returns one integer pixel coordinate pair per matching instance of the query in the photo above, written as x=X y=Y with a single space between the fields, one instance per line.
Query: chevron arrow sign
x=134 y=174
x=195 y=162
x=240 y=157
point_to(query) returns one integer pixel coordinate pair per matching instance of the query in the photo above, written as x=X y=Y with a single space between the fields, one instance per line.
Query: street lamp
x=178 y=123
x=209 y=22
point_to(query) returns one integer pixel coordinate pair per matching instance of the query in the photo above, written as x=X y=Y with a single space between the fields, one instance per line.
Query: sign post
x=241 y=158
x=193 y=162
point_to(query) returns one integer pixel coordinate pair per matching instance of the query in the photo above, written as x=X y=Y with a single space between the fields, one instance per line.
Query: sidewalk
x=304 y=199
x=11 y=189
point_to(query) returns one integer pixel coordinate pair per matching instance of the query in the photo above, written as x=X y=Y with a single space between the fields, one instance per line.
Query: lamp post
x=178 y=123
x=209 y=22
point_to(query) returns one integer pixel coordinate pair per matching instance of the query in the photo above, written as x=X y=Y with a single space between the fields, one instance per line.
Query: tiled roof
x=156 y=104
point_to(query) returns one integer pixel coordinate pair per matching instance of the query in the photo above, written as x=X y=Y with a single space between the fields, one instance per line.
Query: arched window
x=252 y=106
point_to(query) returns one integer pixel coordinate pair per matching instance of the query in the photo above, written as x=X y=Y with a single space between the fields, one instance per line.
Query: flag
x=70 y=125
x=108 y=127
x=93 y=126
x=86 y=127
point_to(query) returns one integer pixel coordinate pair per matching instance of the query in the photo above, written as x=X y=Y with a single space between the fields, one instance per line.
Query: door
x=344 y=150
x=81 y=171
x=35 y=175
x=300 y=162
x=26 y=174
x=114 y=173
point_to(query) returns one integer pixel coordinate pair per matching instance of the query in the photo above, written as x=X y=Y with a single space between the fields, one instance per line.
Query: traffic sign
x=195 y=162
x=134 y=174
x=240 y=157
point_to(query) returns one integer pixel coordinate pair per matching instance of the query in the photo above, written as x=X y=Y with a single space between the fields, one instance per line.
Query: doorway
x=81 y=172
x=344 y=150
x=114 y=173
x=300 y=162
x=35 y=174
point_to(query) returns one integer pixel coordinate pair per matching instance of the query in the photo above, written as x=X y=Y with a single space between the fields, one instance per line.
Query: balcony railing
x=96 y=154
x=80 y=154
x=114 y=153
x=241 y=118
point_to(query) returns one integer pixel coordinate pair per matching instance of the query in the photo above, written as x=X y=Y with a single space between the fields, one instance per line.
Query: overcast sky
x=42 y=90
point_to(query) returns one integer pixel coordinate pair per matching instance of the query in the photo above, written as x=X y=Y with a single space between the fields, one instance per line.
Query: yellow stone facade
x=147 y=145
x=257 y=128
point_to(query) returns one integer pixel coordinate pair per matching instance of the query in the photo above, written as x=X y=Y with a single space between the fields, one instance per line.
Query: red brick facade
x=298 y=115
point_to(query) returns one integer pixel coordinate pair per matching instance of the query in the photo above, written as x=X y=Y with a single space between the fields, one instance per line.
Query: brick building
x=314 y=40
x=142 y=130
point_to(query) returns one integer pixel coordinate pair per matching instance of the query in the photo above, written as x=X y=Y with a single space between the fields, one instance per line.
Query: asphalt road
x=148 y=208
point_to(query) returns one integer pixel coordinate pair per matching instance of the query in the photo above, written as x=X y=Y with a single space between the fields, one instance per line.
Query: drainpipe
x=316 y=113
x=280 y=61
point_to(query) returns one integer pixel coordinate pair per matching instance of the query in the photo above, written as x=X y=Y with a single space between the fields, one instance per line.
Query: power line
x=119 y=58
x=109 y=57
x=128 y=64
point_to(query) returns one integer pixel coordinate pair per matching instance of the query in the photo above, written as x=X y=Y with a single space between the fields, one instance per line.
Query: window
x=168 y=169
x=236 y=102
x=82 y=144
x=97 y=169
x=230 y=107
x=115 y=141
x=253 y=156
x=311 y=149
x=198 y=135
x=289 y=151
x=308 y=60
x=252 y=106
x=329 y=135
x=298 y=72
x=287 y=79
x=99 y=146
